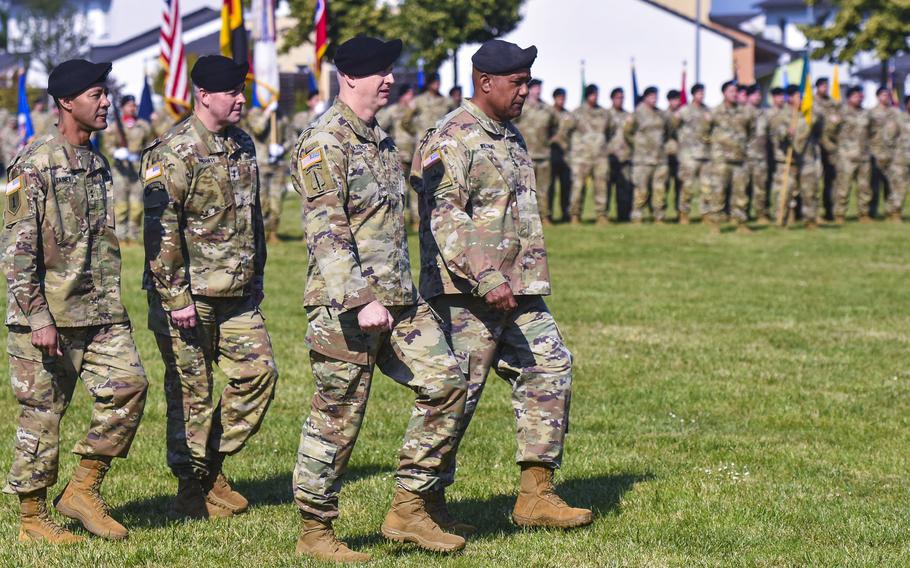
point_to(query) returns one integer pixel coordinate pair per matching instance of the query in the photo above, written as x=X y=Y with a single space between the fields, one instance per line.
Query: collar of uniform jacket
x=214 y=141
x=73 y=157
x=365 y=131
x=492 y=126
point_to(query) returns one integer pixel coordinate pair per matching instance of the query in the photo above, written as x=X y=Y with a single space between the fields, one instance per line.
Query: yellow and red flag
x=320 y=23
x=233 y=32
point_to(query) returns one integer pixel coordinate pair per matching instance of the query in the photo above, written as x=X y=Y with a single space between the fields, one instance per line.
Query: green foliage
x=52 y=31
x=346 y=19
x=880 y=26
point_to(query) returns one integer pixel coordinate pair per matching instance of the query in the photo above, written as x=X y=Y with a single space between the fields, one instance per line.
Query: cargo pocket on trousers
x=319 y=476
x=26 y=442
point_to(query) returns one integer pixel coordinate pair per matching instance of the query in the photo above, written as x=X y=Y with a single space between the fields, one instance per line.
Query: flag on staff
x=24 y=114
x=320 y=24
x=805 y=90
x=310 y=81
x=145 y=102
x=835 y=84
x=584 y=83
x=892 y=84
x=233 y=32
x=265 y=53
x=421 y=77
x=634 y=86
x=683 y=98
x=173 y=59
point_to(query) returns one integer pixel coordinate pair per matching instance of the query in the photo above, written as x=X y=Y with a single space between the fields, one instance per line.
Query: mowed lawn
x=738 y=401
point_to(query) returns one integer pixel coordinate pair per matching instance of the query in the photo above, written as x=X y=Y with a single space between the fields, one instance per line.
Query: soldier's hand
x=184 y=318
x=501 y=298
x=374 y=317
x=47 y=340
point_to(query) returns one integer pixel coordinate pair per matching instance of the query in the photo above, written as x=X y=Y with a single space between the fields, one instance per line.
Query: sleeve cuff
x=40 y=320
x=489 y=282
x=178 y=302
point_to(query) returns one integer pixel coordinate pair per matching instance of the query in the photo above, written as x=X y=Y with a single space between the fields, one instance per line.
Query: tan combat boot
x=191 y=502
x=318 y=540
x=763 y=221
x=547 y=222
x=865 y=219
x=575 y=220
x=713 y=224
x=839 y=220
x=36 y=524
x=218 y=489
x=743 y=229
x=81 y=500
x=273 y=238
x=810 y=225
x=435 y=502
x=683 y=218
x=895 y=218
x=538 y=505
x=603 y=220
x=409 y=521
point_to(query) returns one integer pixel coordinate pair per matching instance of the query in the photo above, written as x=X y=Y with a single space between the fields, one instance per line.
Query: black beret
x=217 y=73
x=432 y=77
x=127 y=99
x=697 y=87
x=792 y=89
x=534 y=82
x=821 y=81
x=615 y=91
x=559 y=92
x=728 y=84
x=673 y=94
x=854 y=89
x=500 y=57
x=649 y=91
x=74 y=76
x=361 y=56
x=753 y=89
x=590 y=90
x=777 y=91
x=880 y=90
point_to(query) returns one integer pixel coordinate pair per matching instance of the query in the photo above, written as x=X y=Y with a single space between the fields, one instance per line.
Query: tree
x=51 y=31
x=346 y=19
x=879 y=26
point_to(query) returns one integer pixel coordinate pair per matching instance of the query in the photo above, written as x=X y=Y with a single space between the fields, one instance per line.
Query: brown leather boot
x=763 y=220
x=743 y=229
x=36 y=524
x=683 y=218
x=81 y=500
x=603 y=220
x=435 y=502
x=575 y=220
x=273 y=238
x=713 y=225
x=546 y=221
x=191 y=502
x=895 y=218
x=318 y=540
x=218 y=489
x=865 y=219
x=538 y=505
x=810 y=224
x=839 y=220
x=409 y=521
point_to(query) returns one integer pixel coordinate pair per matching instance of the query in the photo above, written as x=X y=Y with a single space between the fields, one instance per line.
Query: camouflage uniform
x=353 y=192
x=694 y=152
x=589 y=130
x=805 y=163
x=480 y=228
x=757 y=160
x=672 y=150
x=559 y=168
x=647 y=133
x=390 y=119
x=63 y=269
x=43 y=122
x=205 y=246
x=300 y=121
x=127 y=189
x=883 y=134
x=728 y=128
x=9 y=143
x=619 y=171
x=538 y=124
x=827 y=108
x=848 y=131
x=428 y=108
x=900 y=168
x=272 y=171
x=162 y=122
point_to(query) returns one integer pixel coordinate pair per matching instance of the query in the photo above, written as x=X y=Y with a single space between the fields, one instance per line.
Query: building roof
x=149 y=38
x=874 y=72
x=733 y=20
x=692 y=21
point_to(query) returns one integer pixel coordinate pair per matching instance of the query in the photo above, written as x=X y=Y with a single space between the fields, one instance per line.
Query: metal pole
x=455 y=67
x=698 y=41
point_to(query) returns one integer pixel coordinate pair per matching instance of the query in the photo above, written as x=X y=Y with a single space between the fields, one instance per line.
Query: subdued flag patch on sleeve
x=431 y=159
x=311 y=159
x=16 y=208
x=14 y=185
x=153 y=171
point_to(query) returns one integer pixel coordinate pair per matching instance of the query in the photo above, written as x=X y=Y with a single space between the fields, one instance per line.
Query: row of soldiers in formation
x=733 y=158
x=480 y=302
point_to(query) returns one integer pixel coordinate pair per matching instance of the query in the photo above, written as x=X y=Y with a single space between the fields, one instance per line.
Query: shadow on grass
x=152 y=512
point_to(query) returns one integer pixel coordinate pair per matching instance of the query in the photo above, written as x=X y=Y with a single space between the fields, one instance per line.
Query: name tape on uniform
x=153 y=172
x=312 y=159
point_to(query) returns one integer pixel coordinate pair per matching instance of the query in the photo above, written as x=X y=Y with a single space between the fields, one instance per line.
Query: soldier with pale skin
x=66 y=320
x=690 y=126
x=647 y=133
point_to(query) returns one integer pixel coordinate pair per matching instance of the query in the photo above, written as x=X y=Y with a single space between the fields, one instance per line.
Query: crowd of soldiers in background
x=731 y=159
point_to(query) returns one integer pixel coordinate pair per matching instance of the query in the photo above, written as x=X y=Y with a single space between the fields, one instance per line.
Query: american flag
x=173 y=58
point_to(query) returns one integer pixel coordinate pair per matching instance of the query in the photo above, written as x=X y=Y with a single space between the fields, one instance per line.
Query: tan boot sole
x=402 y=536
x=77 y=515
x=26 y=537
x=330 y=558
x=215 y=500
x=578 y=521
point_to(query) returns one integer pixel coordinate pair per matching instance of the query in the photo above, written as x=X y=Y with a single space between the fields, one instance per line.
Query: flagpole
x=784 y=196
x=698 y=41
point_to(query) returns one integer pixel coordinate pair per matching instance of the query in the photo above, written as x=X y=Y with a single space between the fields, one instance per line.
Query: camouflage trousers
x=619 y=187
x=694 y=171
x=415 y=353
x=802 y=181
x=410 y=196
x=731 y=175
x=528 y=351
x=231 y=333
x=106 y=360
x=128 y=206
x=543 y=175
x=900 y=178
x=757 y=172
x=650 y=180
x=848 y=173
x=273 y=187
x=598 y=170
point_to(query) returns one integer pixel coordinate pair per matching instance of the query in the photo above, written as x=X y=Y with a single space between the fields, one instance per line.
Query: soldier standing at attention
x=757 y=155
x=272 y=169
x=204 y=264
x=538 y=125
x=484 y=268
x=390 y=119
x=674 y=105
x=647 y=133
x=429 y=106
x=589 y=129
x=825 y=107
x=455 y=96
x=123 y=142
x=691 y=126
x=619 y=156
x=900 y=168
x=64 y=313
x=43 y=121
x=364 y=311
x=884 y=131
x=728 y=128
x=303 y=118
x=559 y=157
x=848 y=131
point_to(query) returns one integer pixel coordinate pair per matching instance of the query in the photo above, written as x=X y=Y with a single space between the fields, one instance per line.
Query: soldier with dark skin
x=539 y=125
x=884 y=133
x=689 y=124
x=484 y=268
x=588 y=131
x=647 y=133
x=825 y=106
x=674 y=105
x=619 y=156
x=66 y=320
x=559 y=158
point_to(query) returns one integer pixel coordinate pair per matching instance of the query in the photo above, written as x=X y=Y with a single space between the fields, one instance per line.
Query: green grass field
x=738 y=401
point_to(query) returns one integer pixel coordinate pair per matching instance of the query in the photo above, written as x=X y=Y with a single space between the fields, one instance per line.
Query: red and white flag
x=173 y=59
x=320 y=22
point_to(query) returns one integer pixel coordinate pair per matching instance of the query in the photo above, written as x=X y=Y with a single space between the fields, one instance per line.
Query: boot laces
x=435 y=505
x=46 y=521
x=549 y=493
x=97 y=499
